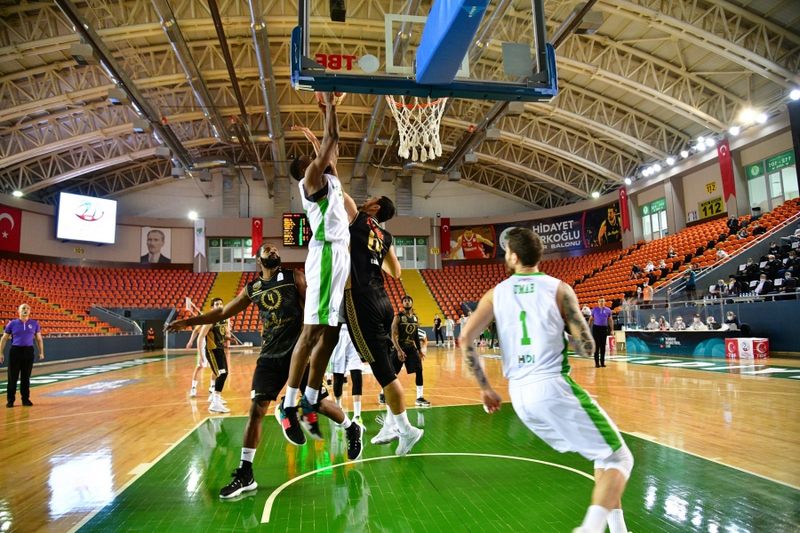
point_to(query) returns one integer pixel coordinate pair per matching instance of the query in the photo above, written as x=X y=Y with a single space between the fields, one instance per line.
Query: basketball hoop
x=418 y=122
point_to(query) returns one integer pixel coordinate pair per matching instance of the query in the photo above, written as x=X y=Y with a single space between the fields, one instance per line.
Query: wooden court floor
x=123 y=448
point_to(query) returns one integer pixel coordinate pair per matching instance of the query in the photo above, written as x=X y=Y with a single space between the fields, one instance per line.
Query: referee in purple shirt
x=22 y=331
x=602 y=325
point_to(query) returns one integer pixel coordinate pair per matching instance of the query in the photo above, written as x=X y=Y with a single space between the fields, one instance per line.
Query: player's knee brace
x=338 y=384
x=621 y=460
x=355 y=377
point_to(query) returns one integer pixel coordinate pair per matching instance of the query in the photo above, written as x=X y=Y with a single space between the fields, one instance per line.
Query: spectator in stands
x=788 y=286
x=697 y=324
x=719 y=289
x=449 y=331
x=742 y=233
x=636 y=271
x=764 y=286
x=647 y=294
x=679 y=324
x=653 y=324
x=663 y=325
x=732 y=321
x=649 y=267
x=437 y=330
x=733 y=225
x=155 y=242
x=733 y=286
x=662 y=265
x=774 y=249
x=691 y=284
x=750 y=270
x=712 y=324
x=790 y=264
x=772 y=267
x=602 y=325
x=22 y=331
x=671 y=253
x=758 y=229
x=721 y=254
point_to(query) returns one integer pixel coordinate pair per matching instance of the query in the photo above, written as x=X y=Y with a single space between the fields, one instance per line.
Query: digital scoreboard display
x=296 y=231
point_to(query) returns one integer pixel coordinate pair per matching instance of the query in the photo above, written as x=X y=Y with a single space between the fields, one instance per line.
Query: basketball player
x=406 y=339
x=345 y=359
x=279 y=296
x=449 y=331
x=610 y=230
x=369 y=314
x=214 y=335
x=532 y=310
x=470 y=244
x=326 y=268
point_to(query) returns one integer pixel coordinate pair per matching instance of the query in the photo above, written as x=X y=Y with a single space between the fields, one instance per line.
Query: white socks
x=595 y=519
x=419 y=391
x=194 y=383
x=357 y=407
x=248 y=454
x=388 y=420
x=616 y=522
x=346 y=423
x=312 y=395
x=211 y=384
x=403 y=425
x=291 y=397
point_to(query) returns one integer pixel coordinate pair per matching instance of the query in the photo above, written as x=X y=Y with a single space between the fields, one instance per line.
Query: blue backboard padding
x=448 y=33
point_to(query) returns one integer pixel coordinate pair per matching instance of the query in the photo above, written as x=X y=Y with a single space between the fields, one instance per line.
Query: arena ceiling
x=654 y=76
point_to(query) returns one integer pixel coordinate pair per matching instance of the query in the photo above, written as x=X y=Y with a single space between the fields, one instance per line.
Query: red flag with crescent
x=10 y=225
x=257 y=234
x=444 y=233
x=624 y=214
x=726 y=170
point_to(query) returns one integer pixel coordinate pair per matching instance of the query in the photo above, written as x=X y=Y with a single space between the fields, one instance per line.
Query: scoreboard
x=296 y=231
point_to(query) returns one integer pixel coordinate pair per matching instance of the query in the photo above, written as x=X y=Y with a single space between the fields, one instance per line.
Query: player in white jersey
x=532 y=310
x=327 y=268
x=345 y=359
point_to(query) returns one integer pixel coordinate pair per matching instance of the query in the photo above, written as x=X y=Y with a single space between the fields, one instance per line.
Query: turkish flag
x=726 y=170
x=623 y=209
x=444 y=233
x=257 y=234
x=10 y=226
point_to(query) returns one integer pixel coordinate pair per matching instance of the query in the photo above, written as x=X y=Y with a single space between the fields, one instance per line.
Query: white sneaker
x=217 y=407
x=221 y=399
x=385 y=435
x=193 y=392
x=408 y=441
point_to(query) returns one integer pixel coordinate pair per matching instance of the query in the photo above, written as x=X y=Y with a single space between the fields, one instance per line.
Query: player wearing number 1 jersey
x=532 y=311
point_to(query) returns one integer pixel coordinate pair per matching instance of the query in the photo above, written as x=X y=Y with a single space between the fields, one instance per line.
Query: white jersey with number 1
x=530 y=327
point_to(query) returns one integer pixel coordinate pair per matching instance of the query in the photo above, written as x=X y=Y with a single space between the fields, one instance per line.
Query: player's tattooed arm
x=576 y=324
x=474 y=364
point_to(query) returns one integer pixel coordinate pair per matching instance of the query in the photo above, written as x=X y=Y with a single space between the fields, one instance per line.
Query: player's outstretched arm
x=576 y=324
x=469 y=332
x=327 y=150
x=235 y=306
x=391 y=264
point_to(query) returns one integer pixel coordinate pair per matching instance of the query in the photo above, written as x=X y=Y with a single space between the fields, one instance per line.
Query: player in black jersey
x=216 y=335
x=408 y=346
x=369 y=313
x=279 y=295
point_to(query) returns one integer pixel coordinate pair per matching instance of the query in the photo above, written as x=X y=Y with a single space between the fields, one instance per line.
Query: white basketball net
x=418 y=123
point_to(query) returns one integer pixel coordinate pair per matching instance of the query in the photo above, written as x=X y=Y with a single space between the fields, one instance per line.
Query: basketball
x=338 y=98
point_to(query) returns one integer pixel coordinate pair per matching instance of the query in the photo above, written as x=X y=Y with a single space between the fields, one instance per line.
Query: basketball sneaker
x=309 y=419
x=385 y=435
x=217 y=407
x=290 y=425
x=354 y=441
x=408 y=441
x=358 y=420
x=242 y=482
x=422 y=402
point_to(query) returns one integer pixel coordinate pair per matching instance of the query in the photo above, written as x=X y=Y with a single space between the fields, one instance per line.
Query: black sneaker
x=354 y=441
x=309 y=419
x=381 y=399
x=27 y=403
x=9 y=404
x=242 y=482
x=422 y=402
x=290 y=425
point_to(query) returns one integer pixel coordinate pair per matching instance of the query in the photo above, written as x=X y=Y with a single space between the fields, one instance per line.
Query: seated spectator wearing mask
x=791 y=264
x=732 y=321
x=712 y=324
x=722 y=254
x=733 y=286
x=772 y=267
x=750 y=270
x=764 y=286
x=758 y=229
x=733 y=225
x=662 y=265
x=788 y=286
x=652 y=325
x=679 y=324
x=697 y=324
